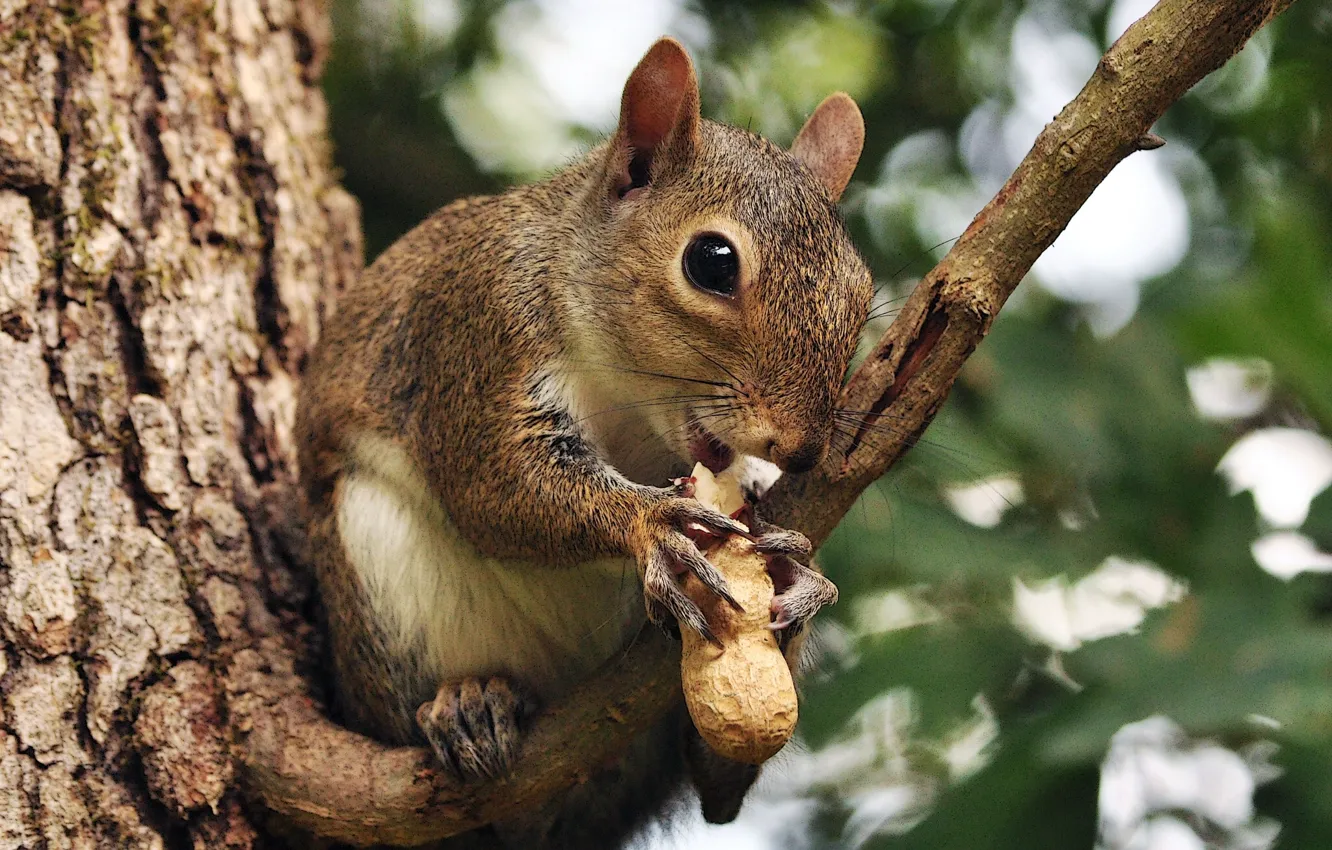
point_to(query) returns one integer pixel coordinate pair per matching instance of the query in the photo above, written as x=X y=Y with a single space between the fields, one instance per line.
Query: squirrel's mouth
x=707 y=448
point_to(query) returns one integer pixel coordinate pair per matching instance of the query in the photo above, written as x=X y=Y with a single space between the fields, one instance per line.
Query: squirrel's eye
x=711 y=263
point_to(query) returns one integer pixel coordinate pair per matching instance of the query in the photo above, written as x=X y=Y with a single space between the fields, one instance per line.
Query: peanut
x=740 y=694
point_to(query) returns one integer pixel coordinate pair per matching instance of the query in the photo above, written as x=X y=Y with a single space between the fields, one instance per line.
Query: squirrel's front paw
x=473 y=727
x=666 y=550
x=800 y=591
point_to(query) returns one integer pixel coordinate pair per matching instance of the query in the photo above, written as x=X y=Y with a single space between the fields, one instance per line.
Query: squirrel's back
x=441 y=296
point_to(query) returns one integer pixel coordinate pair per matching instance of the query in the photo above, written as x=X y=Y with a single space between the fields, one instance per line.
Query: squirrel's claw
x=688 y=511
x=688 y=559
x=782 y=543
x=801 y=592
x=674 y=530
x=664 y=596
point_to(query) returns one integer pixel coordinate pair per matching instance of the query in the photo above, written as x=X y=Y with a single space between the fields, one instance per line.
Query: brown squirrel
x=487 y=418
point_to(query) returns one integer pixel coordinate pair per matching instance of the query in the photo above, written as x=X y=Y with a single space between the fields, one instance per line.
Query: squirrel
x=491 y=412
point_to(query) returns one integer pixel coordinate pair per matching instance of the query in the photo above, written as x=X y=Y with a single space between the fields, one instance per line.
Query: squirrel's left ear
x=659 y=115
x=830 y=142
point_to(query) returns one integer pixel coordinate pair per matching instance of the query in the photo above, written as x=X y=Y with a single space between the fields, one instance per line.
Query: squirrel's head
x=715 y=272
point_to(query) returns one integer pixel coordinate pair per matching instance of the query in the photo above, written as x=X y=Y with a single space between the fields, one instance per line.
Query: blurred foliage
x=1100 y=431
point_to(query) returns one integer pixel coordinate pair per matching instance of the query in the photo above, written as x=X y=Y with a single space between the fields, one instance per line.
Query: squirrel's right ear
x=659 y=116
x=830 y=142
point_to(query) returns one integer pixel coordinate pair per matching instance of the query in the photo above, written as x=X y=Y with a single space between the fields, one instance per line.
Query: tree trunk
x=170 y=234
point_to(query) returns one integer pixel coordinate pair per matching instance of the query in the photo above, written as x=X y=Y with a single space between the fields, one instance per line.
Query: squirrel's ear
x=659 y=112
x=830 y=142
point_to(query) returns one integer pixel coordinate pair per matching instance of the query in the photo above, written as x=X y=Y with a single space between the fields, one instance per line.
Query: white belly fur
x=473 y=615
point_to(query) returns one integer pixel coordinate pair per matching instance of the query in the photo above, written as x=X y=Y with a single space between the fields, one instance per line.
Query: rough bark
x=171 y=237
x=169 y=234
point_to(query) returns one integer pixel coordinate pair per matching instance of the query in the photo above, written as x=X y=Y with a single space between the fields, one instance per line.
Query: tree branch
x=344 y=786
x=338 y=784
x=906 y=378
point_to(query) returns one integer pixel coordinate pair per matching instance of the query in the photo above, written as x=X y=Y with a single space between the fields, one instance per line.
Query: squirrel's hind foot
x=472 y=725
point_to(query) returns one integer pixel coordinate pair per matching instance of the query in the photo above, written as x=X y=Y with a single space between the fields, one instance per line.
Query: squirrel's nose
x=799 y=456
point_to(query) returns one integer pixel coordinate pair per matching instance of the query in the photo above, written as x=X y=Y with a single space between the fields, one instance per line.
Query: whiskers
x=659 y=403
x=656 y=450
x=736 y=384
x=891 y=307
x=852 y=428
x=665 y=376
x=706 y=401
x=886 y=309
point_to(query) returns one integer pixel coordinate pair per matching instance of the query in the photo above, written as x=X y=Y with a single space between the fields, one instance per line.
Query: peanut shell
x=740 y=694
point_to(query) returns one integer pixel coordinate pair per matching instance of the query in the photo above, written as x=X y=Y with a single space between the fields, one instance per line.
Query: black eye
x=711 y=263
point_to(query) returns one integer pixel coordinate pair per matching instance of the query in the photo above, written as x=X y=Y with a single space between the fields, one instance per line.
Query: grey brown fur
x=453 y=348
